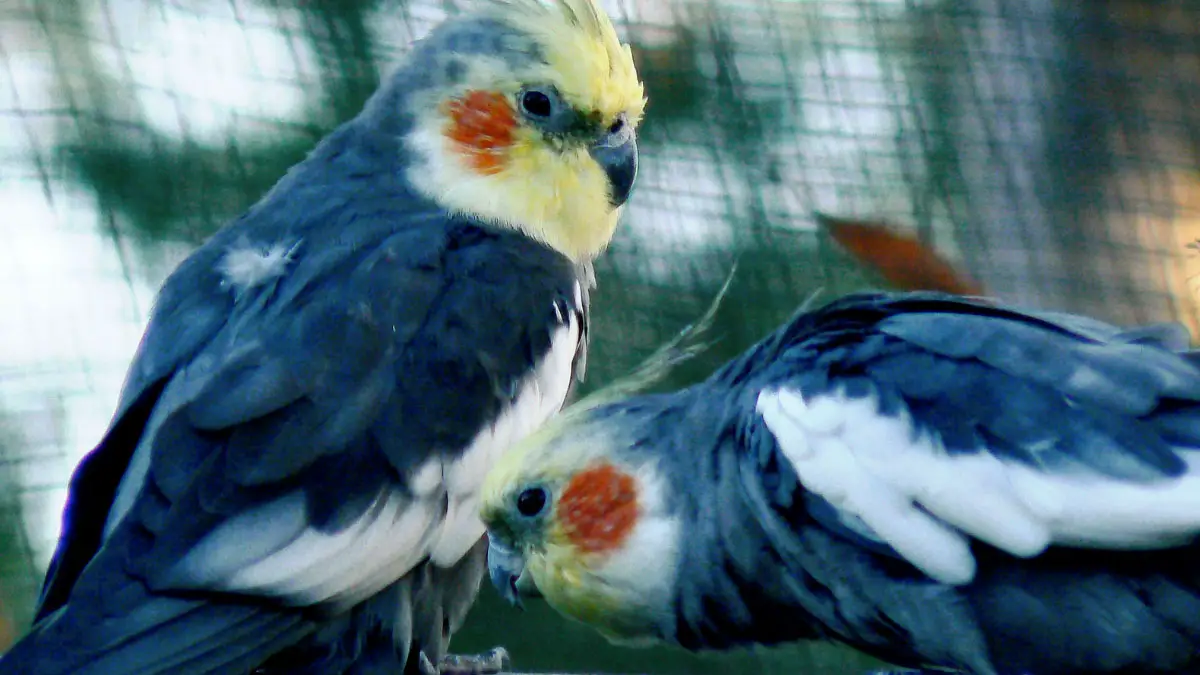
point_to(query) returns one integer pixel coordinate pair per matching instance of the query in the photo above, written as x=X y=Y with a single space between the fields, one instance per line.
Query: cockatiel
x=938 y=481
x=290 y=482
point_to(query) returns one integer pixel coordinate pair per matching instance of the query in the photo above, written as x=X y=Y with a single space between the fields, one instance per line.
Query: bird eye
x=536 y=103
x=617 y=125
x=531 y=501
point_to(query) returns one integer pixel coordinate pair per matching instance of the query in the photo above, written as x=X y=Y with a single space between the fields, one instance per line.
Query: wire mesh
x=1049 y=148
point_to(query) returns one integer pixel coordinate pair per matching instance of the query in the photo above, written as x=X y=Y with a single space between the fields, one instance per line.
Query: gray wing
x=310 y=209
x=180 y=324
x=927 y=421
x=329 y=436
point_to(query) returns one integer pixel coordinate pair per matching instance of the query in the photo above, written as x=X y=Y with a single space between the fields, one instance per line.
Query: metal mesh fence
x=1050 y=148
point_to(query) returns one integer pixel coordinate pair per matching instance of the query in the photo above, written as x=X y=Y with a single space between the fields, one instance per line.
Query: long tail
x=157 y=636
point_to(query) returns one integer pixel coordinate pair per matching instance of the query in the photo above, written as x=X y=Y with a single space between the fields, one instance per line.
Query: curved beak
x=620 y=162
x=506 y=568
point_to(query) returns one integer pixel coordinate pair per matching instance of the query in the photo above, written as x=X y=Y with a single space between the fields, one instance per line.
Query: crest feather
x=583 y=47
x=583 y=15
x=684 y=346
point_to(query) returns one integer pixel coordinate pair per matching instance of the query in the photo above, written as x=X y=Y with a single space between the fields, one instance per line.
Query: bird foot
x=490 y=662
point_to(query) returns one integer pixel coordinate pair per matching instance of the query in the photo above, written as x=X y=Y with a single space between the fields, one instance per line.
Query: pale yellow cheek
x=560 y=198
x=548 y=179
x=565 y=589
x=566 y=194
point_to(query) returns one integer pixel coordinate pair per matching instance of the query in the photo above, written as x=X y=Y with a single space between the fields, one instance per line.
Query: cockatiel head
x=935 y=480
x=523 y=114
x=576 y=515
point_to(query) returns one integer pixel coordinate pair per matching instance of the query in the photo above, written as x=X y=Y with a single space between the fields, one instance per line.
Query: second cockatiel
x=936 y=481
x=290 y=482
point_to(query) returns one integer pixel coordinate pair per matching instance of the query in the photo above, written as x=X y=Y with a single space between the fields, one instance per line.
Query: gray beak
x=506 y=568
x=620 y=164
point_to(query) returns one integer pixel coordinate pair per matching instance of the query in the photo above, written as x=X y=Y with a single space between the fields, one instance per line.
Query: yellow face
x=573 y=589
x=546 y=144
x=591 y=532
x=570 y=536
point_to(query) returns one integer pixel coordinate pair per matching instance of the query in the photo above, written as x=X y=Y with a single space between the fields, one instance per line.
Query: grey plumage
x=285 y=412
x=762 y=559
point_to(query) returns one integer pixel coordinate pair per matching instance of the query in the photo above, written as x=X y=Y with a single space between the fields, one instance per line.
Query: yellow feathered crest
x=595 y=69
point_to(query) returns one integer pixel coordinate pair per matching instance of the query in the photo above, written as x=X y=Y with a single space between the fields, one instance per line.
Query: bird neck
x=735 y=587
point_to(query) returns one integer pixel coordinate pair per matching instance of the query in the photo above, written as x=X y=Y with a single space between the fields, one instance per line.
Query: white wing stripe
x=541 y=396
x=880 y=469
x=827 y=467
x=437 y=517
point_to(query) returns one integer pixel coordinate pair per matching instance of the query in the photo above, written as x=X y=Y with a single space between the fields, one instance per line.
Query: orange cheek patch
x=598 y=508
x=482 y=123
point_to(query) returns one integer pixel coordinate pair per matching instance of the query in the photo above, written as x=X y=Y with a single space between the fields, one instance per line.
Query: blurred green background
x=1048 y=148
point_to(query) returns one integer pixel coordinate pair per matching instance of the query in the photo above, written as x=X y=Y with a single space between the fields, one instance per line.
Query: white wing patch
x=902 y=485
x=310 y=566
x=436 y=517
x=540 y=397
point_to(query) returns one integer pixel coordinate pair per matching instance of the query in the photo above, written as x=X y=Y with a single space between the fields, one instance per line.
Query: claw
x=426 y=666
x=491 y=662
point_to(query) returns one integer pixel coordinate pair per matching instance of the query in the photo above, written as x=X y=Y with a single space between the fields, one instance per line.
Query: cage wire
x=1048 y=148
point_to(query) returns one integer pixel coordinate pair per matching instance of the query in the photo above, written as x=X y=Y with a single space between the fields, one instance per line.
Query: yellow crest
x=551 y=189
x=594 y=70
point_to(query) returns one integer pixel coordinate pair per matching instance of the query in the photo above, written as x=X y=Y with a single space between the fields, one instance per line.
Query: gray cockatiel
x=937 y=481
x=290 y=483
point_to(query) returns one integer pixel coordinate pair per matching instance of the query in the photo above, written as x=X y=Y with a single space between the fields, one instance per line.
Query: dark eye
x=536 y=103
x=617 y=125
x=531 y=501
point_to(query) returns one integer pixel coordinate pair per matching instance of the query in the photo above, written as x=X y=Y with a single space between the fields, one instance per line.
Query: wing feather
x=311 y=448
x=978 y=422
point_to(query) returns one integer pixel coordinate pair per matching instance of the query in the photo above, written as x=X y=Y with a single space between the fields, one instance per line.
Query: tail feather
x=191 y=637
x=273 y=636
x=249 y=639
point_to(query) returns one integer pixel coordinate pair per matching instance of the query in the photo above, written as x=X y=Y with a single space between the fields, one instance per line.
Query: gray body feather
x=279 y=422
x=1052 y=397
